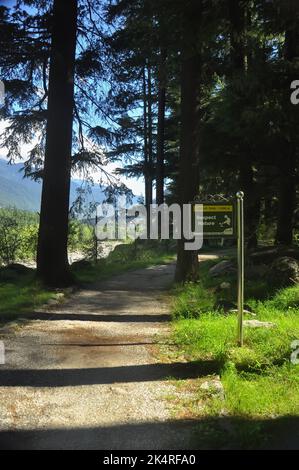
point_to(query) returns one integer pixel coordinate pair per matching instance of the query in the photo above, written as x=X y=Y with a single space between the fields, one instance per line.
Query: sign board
x=218 y=219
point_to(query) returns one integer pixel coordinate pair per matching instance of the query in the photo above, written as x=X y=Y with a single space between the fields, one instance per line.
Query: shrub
x=19 y=231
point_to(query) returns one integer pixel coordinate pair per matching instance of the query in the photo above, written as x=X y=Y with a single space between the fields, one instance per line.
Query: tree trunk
x=150 y=134
x=145 y=135
x=188 y=179
x=287 y=199
x=52 y=260
x=161 y=129
x=240 y=60
x=287 y=170
x=147 y=177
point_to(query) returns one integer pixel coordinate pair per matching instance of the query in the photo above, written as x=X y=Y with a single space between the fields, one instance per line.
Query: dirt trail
x=82 y=375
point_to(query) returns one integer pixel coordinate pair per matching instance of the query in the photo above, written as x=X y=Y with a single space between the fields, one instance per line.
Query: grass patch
x=193 y=300
x=259 y=380
x=273 y=393
x=21 y=295
x=213 y=336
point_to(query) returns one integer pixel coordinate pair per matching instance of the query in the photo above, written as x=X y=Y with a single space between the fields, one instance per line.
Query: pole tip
x=240 y=194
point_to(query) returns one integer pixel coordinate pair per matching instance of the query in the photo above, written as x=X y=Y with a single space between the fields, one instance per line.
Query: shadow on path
x=100 y=345
x=105 y=375
x=227 y=433
x=96 y=317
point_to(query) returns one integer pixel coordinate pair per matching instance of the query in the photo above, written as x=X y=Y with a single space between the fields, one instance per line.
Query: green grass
x=259 y=380
x=272 y=394
x=214 y=336
x=21 y=296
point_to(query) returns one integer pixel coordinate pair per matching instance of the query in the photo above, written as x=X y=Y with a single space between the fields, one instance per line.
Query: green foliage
x=19 y=234
x=284 y=301
x=19 y=231
x=81 y=238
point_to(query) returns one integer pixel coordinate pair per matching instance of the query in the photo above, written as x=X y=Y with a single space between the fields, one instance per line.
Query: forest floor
x=85 y=374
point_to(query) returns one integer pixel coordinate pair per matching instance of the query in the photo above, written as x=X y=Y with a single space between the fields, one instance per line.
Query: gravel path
x=82 y=375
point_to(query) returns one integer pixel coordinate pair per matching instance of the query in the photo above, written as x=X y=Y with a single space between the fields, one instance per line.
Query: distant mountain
x=24 y=193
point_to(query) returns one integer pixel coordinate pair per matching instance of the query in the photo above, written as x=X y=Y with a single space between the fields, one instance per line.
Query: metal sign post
x=240 y=233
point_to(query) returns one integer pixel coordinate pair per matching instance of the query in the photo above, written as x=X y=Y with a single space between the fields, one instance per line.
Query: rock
x=213 y=387
x=223 y=268
x=291 y=252
x=19 y=268
x=284 y=271
x=258 y=324
x=13 y=271
x=81 y=264
x=255 y=271
x=245 y=311
x=230 y=307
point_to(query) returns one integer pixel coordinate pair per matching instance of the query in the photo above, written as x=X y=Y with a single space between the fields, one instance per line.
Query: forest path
x=83 y=375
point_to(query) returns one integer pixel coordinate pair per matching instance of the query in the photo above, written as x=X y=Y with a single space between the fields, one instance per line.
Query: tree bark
x=150 y=134
x=145 y=135
x=240 y=61
x=287 y=170
x=161 y=129
x=287 y=198
x=147 y=176
x=188 y=180
x=52 y=259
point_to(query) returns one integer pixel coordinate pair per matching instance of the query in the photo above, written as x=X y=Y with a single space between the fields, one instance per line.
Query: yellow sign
x=207 y=208
x=216 y=219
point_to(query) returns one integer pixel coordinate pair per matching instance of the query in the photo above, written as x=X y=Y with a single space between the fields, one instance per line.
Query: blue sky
x=7 y=3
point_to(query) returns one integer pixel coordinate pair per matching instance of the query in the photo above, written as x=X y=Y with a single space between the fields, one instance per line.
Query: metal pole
x=240 y=226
